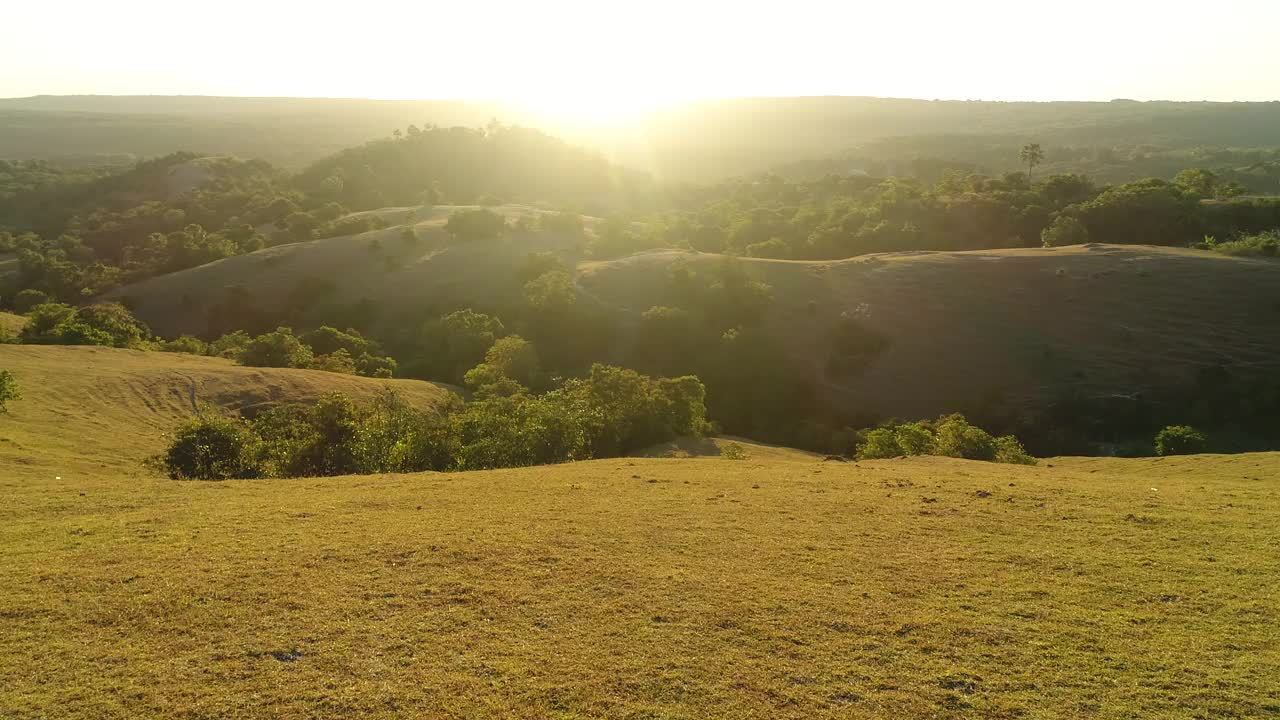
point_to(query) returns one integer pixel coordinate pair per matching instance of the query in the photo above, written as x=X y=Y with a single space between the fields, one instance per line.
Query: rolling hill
x=104 y=410
x=1019 y=327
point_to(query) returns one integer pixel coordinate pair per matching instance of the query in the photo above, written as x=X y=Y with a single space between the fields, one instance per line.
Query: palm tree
x=1032 y=155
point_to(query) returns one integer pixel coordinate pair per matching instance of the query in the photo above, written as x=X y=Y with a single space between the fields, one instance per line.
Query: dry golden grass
x=92 y=410
x=11 y=324
x=769 y=587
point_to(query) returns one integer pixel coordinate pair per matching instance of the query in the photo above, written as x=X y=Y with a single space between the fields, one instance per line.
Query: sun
x=583 y=105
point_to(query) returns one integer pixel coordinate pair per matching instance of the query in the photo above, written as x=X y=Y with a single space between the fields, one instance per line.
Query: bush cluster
x=610 y=412
x=949 y=436
x=8 y=389
x=325 y=348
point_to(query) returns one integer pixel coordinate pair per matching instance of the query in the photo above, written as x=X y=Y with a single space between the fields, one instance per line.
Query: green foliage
x=1010 y=451
x=950 y=436
x=102 y=324
x=879 y=444
x=1265 y=244
x=957 y=438
x=1147 y=212
x=733 y=451
x=914 y=438
x=1065 y=230
x=117 y=322
x=475 y=225
x=510 y=367
x=231 y=345
x=609 y=412
x=279 y=349
x=452 y=344
x=1180 y=440
x=212 y=448
x=327 y=340
x=8 y=389
x=185 y=344
x=551 y=293
x=339 y=361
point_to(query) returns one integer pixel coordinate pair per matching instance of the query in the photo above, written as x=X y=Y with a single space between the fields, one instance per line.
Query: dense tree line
x=609 y=412
x=844 y=216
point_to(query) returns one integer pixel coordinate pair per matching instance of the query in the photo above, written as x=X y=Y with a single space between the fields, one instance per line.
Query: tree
x=958 y=439
x=278 y=349
x=1032 y=155
x=1180 y=440
x=1197 y=181
x=1065 y=230
x=475 y=225
x=8 y=389
x=455 y=343
x=516 y=358
x=117 y=322
x=212 y=448
x=58 y=324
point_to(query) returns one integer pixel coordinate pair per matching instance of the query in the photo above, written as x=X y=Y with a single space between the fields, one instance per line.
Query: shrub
x=733 y=451
x=1010 y=451
x=1180 y=440
x=958 y=439
x=59 y=324
x=327 y=443
x=1265 y=244
x=212 y=448
x=339 y=361
x=455 y=343
x=327 y=340
x=376 y=366
x=185 y=344
x=1065 y=230
x=914 y=438
x=116 y=322
x=230 y=345
x=879 y=444
x=474 y=225
x=8 y=389
x=279 y=349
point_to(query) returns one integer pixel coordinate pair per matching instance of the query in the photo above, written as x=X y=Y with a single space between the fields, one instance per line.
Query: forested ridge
x=72 y=234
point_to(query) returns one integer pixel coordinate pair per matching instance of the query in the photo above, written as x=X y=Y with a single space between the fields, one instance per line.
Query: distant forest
x=1112 y=142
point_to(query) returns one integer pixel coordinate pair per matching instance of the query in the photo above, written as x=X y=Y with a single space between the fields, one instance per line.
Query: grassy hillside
x=758 y=588
x=377 y=266
x=1002 y=327
x=10 y=323
x=1018 y=328
x=87 y=410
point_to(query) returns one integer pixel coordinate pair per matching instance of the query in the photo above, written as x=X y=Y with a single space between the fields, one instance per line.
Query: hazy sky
x=618 y=56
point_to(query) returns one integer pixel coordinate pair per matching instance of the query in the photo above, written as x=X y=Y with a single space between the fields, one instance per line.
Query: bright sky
x=612 y=58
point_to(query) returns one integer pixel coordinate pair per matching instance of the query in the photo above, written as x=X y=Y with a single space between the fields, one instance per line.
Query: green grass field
x=773 y=586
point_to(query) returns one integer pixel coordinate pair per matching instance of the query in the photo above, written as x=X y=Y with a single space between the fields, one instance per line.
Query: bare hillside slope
x=966 y=330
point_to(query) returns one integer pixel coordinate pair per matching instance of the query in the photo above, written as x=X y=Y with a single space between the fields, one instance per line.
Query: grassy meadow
x=776 y=585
